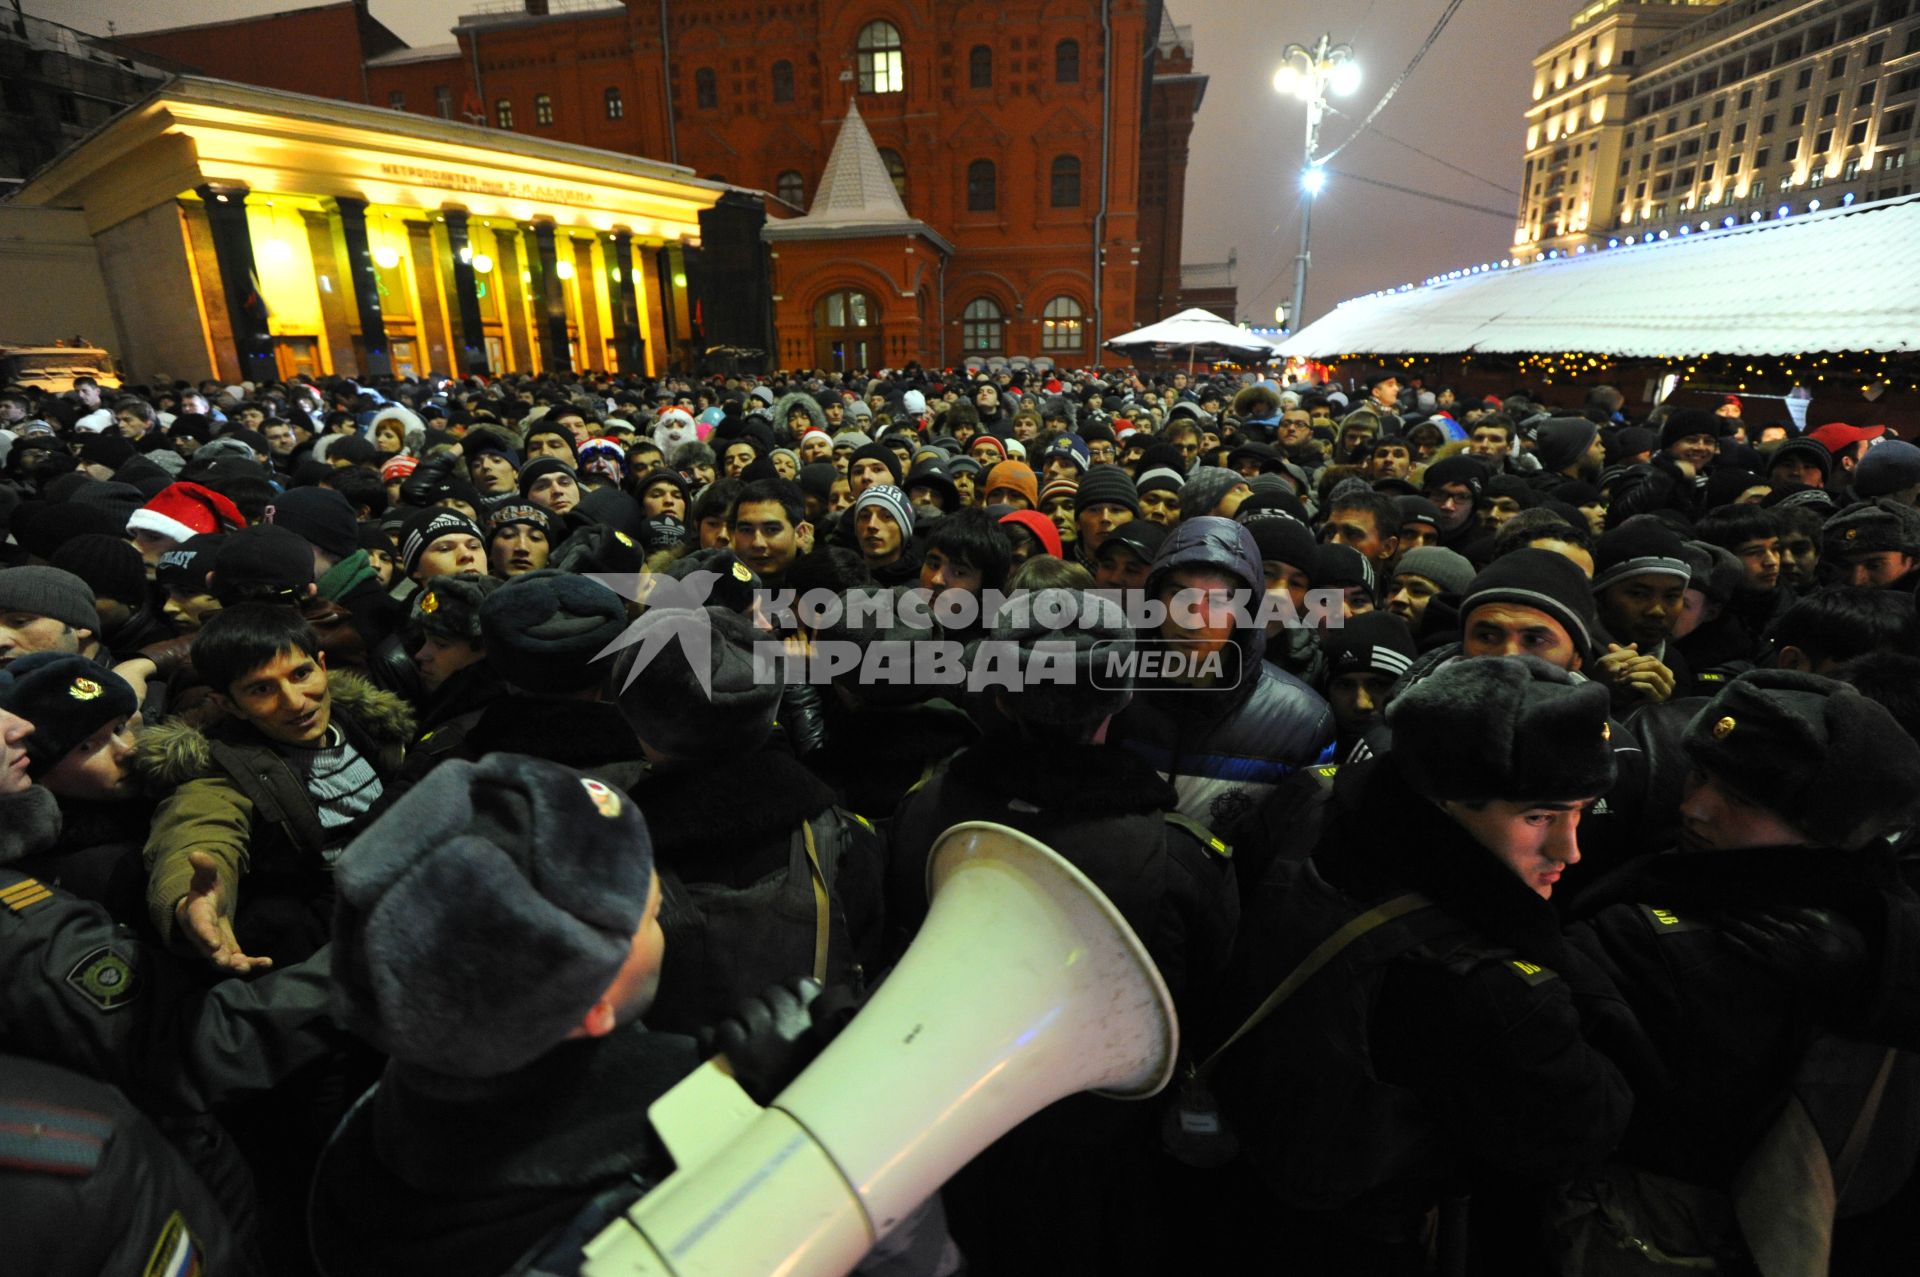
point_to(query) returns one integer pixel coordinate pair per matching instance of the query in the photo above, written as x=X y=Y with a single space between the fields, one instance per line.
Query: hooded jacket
x=1225 y=748
x=783 y=408
x=235 y=798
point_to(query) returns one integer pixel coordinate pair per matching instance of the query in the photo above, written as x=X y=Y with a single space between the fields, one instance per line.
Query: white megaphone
x=1023 y=987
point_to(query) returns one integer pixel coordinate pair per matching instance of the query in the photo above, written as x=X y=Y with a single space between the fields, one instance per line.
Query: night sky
x=1464 y=104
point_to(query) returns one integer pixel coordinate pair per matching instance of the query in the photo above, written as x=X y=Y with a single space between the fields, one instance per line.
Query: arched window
x=1066 y=62
x=980 y=67
x=783 y=81
x=792 y=188
x=981 y=197
x=881 y=69
x=706 y=89
x=1066 y=181
x=542 y=109
x=896 y=169
x=848 y=309
x=983 y=327
x=503 y=114
x=1061 y=325
x=616 y=106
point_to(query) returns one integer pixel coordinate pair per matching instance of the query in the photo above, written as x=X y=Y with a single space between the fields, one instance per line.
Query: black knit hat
x=1376 y=641
x=109 y=565
x=1065 y=630
x=1712 y=570
x=544 y=630
x=1807 y=448
x=486 y=912
x=1502 y=727
x=1105 y=484
x=424 y=527
x=1828 y=761
x=448 y=607
x=1283 y=539
x=262 y=564
x=661 y=693
x=1142 y=537
x=42 y=531
x=320 y=515
x=67 y=698
x=1459 y=468
x=1543 y=580
x=1337 y=567
x=878 y=452
x=1642 y=546
x=534 y=471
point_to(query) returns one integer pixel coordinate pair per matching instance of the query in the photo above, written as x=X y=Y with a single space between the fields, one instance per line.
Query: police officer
x=1442 y=1052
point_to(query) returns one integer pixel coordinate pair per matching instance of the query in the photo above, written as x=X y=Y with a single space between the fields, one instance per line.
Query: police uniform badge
x=175 y=1252
x=623 y=538
x=606 y=800
x=430 y=604
x=84 y=689
x=741 y=572
x=1723 y=729
x=105 y=979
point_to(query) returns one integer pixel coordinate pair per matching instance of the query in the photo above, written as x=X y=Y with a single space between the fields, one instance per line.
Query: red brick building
x=1040 y=146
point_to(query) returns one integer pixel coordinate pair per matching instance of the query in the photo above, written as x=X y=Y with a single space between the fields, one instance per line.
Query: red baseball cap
x=1839 y=436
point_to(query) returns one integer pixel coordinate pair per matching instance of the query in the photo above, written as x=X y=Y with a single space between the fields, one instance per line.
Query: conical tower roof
x=856 y=194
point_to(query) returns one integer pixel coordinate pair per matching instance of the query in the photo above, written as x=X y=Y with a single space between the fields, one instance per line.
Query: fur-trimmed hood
x=783 y=407
x=174 y=752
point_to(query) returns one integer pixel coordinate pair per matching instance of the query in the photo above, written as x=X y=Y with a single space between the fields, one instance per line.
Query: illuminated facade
x=1654 y=115
x=250 y=233
x=1044 y=141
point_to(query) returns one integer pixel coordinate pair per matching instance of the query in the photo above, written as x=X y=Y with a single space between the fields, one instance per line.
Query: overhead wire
x=1426 y=46
x=1505 y=215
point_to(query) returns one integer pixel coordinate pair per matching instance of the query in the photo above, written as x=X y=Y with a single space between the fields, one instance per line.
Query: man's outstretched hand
x=205 y=917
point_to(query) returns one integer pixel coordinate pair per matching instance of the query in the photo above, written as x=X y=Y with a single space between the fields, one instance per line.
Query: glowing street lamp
x=1309 y=75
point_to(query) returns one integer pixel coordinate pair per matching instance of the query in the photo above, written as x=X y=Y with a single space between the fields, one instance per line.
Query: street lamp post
x=1310 y=74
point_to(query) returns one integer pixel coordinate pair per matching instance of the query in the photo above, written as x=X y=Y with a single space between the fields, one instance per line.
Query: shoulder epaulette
x=23 y=895
x=1201 y=832
x=1667 y=922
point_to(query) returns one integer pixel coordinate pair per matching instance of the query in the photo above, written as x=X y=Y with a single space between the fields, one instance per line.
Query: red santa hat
x=182 y=510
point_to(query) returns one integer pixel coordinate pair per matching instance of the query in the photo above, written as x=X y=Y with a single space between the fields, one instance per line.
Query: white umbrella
x=1196 y=330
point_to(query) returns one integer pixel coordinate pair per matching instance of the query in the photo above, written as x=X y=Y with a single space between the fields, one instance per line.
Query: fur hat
x=1500 y=727
x=1867 y=526
x=1889 y=466
x=486 y=912
x=67 y=698
x=544 y=629
x=1828 y=761
x=448 y=607
x=664 y=701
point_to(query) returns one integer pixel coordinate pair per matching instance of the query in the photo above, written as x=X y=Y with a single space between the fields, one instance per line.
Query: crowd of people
x=1533 y=877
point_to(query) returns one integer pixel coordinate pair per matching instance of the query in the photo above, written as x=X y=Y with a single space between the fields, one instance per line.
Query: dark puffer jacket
x=1225 y=748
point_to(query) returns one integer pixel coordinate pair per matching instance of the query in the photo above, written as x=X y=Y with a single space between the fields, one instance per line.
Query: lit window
x=503 y=114
x=542 y=109
x=616 y=105
x=443 y=102
x=881 y=66
x=983 y=327
x=847 y=309
x=1061 y=325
